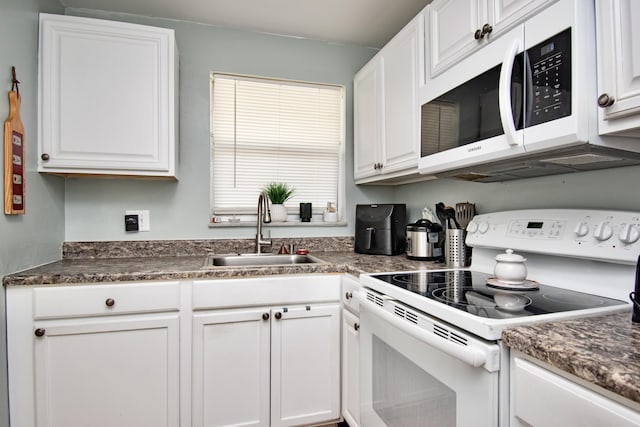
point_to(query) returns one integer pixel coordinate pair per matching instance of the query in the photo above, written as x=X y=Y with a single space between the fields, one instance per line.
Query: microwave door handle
x=504 y=94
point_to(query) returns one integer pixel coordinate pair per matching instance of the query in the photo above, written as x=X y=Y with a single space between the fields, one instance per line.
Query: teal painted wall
x=604 y=189
x=180 y=210
x=35 y=237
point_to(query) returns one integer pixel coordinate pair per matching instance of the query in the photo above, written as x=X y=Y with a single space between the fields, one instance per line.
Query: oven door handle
x=470 y=356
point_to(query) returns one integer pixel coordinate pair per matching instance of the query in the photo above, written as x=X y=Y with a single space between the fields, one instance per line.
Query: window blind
x=274 y=131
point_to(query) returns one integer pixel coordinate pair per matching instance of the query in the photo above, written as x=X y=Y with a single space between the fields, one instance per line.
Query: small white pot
x=278 y=213
x=510 y=268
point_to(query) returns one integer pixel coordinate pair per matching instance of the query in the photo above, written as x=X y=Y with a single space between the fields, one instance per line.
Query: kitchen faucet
x=264 y=216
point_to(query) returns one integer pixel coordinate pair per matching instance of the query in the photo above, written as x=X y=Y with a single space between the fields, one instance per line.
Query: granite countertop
x=602 y=350
x=94 y=270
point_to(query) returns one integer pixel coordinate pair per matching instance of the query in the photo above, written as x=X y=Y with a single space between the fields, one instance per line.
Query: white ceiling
x=363 y=22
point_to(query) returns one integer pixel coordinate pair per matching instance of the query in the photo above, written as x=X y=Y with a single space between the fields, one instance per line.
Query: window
x=266 y=130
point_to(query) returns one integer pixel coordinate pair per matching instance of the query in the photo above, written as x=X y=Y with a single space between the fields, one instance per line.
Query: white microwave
x=522 y=106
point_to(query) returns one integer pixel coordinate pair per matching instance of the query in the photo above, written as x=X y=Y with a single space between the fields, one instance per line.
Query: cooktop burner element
x=468 y=291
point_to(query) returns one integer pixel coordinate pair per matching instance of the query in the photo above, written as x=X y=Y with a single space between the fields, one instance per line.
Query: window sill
x=252 y=224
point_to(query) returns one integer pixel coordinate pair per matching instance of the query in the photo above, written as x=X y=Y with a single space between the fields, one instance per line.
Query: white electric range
x=430 y=340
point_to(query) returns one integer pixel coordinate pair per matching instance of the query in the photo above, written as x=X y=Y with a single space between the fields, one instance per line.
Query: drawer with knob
x=53 y=302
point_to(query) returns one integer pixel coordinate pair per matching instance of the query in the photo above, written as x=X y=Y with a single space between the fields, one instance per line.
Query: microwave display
x=540 y=92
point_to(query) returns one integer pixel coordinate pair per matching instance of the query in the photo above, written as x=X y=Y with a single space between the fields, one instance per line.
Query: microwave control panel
x=549 y=75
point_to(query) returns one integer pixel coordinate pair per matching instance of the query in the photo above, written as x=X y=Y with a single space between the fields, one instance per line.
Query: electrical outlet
x=144 y=219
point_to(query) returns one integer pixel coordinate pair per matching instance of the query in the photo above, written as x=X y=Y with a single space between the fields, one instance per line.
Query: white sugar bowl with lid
x=510 y=268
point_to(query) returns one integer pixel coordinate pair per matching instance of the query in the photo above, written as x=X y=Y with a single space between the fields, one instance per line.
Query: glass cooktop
x=468 y=291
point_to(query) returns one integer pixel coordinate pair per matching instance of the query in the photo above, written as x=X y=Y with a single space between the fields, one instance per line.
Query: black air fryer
x=380 y=229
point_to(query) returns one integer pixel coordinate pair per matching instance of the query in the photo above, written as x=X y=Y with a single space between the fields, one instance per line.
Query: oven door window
x=405 y=382
x=402 y=390
x=470 y=112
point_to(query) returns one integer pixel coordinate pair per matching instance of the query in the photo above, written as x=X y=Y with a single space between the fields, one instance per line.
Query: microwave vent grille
x=581 y=159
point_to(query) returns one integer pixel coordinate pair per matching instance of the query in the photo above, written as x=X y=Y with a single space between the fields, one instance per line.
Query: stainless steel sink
x=242 y=260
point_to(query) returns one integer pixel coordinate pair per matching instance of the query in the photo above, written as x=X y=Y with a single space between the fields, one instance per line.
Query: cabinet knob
x=278 y=315
x=486 y=29
x=348 y=295
x=265 y=316
x=605 y=101
x=356 y=326
x=44 y=156
x=39 y=332
x=478 y=34
x=110 y=302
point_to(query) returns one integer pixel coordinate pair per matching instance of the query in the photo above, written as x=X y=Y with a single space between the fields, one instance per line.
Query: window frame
x=242 y=216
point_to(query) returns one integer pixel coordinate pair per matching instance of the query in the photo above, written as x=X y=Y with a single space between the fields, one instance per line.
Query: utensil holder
x=455 y=250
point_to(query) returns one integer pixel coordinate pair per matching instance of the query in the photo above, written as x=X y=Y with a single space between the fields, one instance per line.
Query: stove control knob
x=582 y=229
x=472 y=227
x=629 y=234
x=483 y=227
x=603 y=231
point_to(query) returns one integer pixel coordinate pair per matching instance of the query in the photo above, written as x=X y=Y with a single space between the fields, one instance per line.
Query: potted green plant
x=278 y=192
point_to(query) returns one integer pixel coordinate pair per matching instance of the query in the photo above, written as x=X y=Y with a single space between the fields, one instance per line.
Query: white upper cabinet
x=455 y=28
x=618 y=66
x=401 y=121
x=367 y=111
x=451 y=25
x=108 y=102
x=386 y=111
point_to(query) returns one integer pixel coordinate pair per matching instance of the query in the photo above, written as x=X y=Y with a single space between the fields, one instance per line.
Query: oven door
x=407 y=382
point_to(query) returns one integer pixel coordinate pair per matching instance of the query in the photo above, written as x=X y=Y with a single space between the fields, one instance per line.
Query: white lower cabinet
x=266 y=351
x=95 y=355
x=231 y=368
x=305 y=365
x=107 y=372
x=350 y=368
x=542 y=398
x=266 y=366
x=232 y=352
x=350 y=351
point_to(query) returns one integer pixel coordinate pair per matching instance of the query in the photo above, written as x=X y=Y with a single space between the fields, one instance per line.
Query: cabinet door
x=350 y=368
x=401 y=147
x=451 y=28
x=504 y=14
x=231 y=368
x=105 y=372
x=367 y=110
x=539 y=397
x=106 y=97
x=305 y=365
x=619 y=66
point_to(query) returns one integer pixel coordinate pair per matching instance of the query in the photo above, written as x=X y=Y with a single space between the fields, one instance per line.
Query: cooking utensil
x=465 y=213
x=442 y=215
x=451 y=215
x=635 y=296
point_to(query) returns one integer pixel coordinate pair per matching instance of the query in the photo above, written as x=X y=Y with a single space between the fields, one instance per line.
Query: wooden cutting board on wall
x=14 y=159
